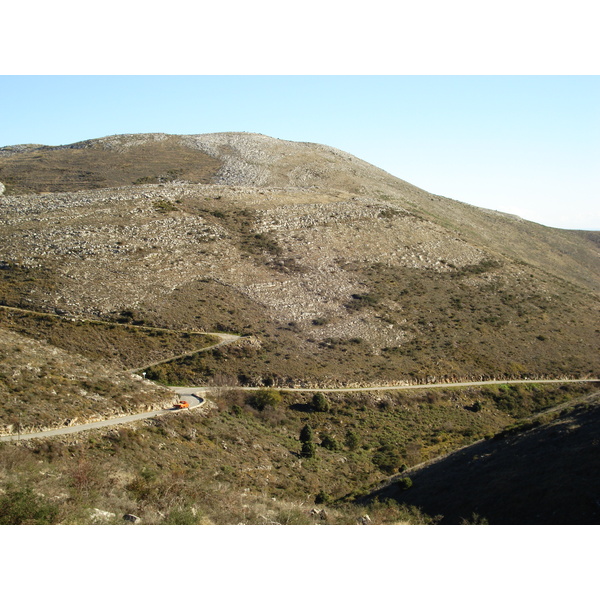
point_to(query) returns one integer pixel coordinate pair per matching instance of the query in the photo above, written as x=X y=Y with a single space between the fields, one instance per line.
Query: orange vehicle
x=181 y=404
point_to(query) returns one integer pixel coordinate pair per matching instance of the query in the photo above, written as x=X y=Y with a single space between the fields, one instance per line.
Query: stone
x=100 y=516
x=131 y=518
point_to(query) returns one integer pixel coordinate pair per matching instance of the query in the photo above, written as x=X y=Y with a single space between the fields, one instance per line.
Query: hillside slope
x=545 y=475
x=335 y=272
x=333 y=265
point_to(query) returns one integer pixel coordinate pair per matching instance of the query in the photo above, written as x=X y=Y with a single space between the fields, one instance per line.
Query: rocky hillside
x=338 y=270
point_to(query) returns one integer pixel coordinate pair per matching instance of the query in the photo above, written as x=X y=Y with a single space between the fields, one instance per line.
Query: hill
x=118 y=253
x=324 y=259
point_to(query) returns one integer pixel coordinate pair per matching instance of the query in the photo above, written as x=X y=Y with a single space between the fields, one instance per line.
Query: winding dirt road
x=194 y=395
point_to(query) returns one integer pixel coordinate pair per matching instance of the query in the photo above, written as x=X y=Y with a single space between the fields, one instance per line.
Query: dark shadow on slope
x=546 y=475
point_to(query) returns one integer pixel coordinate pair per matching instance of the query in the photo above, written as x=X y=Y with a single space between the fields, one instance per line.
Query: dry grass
x=241 y=465
x=47 y=169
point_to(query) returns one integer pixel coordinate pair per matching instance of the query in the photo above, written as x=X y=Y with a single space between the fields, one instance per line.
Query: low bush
x=404 y=483
x=322 y=498
x=352 y=440
x=388 y=459
x=319 y=403
x=25 y=507
x=263 y=398
x=329 y=443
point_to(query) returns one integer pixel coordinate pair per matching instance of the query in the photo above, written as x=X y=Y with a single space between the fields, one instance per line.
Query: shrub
x=24 y=507
x=322 y=498
x=329 y=443
x=404 y=483
x=263 y=398
x=477 y=406
x=474 y=520
x=308 y=450
x=319 y=402
x=387 y=459
x=352 y=440
x=183 y=516
x=320 y=321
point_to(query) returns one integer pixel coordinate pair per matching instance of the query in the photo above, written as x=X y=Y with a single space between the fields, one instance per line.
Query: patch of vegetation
x=55 y=169
x=543 y=470
x=25 y=507
x=124 y=345
x=264 y=398
x=164 y=206
x=320 y=403
x=22 y=286
x=212 y=468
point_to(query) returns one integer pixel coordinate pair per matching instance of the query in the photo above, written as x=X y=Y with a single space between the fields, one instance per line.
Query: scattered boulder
x=364 y=520
x=320 y=514
x=100 y=516
x=131 y=518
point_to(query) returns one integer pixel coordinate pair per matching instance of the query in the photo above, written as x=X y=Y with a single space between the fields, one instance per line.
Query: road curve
x=194 y=395
x=194 y=400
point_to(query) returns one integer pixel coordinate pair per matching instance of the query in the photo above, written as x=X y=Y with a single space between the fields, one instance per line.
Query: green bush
x=329 y=442
x=263 y=398
x=404 y=483
x=306 y=433
x=308 y=450
x=322 y=498
x=387 y=459
x=352 y=440
x=319 y=402
x=24 y=507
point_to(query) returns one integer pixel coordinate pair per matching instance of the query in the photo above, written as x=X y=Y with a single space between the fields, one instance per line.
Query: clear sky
x=528 y=145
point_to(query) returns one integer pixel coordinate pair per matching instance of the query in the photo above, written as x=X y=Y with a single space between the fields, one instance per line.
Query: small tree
x=352 y=440
x=404 y=483
x=306 y=434
x=308 y=450
x=329 y=442
x=320 y=403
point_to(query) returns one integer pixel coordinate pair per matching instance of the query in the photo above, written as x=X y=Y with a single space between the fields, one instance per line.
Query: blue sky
x=529 y=145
